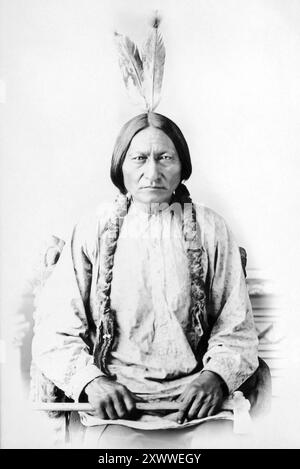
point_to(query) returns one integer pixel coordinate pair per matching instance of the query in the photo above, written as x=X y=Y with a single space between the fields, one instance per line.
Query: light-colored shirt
x=150 y=293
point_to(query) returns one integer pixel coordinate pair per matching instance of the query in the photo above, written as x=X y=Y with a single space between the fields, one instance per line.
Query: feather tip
x=156 y=20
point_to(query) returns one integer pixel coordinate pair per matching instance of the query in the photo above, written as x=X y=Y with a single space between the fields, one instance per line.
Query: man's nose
x=152 y=170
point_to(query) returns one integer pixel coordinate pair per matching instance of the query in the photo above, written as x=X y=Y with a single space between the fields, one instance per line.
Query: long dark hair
x=135 y=125
x=107 y=329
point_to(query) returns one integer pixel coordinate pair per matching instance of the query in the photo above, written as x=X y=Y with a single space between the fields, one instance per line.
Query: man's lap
x=119 y=436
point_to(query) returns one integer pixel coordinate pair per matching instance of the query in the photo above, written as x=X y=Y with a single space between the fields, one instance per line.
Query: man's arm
x=231 y=356
x=232 y=347
x=60 y=348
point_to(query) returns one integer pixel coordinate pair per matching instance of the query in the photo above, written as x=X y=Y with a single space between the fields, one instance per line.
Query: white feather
x=143 y=76
x=132 y=68
x=153 y=57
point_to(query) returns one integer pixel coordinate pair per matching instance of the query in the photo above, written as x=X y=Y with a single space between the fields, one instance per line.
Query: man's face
x=152 y=168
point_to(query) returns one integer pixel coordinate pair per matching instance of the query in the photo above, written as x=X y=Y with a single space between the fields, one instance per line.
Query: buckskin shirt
x=150 y=292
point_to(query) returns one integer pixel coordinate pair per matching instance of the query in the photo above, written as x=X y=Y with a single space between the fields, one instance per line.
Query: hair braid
x=107 y=328
x=194 y=249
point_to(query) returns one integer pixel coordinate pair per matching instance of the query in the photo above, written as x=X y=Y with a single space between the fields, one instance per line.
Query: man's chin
x=154 y=199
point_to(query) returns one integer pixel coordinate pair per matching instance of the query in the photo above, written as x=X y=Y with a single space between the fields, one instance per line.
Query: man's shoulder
x=90 y=226
x=213 y=226
x=207 y=217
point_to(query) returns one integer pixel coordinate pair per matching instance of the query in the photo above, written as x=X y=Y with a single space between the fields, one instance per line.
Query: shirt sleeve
x=61 y=343
x=233 y=343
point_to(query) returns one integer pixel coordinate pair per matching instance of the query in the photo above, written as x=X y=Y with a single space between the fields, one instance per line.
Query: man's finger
x=213 y=410
x=110 y=410
x=205 y=408
x=184 y=408
x=120 y=405
x=195 y=408
x=129 y=400
x=101 y=413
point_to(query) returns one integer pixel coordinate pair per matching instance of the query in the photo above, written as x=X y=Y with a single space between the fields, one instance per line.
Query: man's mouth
x=153 y=187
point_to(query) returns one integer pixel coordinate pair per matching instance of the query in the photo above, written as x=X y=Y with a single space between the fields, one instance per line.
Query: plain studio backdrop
x=231 y=83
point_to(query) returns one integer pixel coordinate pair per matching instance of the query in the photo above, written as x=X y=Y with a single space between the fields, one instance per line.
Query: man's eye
x=165 y=157
x=140 y=157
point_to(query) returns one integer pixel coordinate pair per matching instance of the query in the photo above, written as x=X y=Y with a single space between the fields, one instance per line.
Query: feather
x=153 y=57
x=131 y=67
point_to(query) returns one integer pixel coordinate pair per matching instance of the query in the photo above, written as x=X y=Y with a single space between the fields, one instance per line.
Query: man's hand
x=202 y=397
x=109 y=399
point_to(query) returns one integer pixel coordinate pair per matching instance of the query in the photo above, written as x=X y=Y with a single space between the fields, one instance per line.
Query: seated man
x=148 y=301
